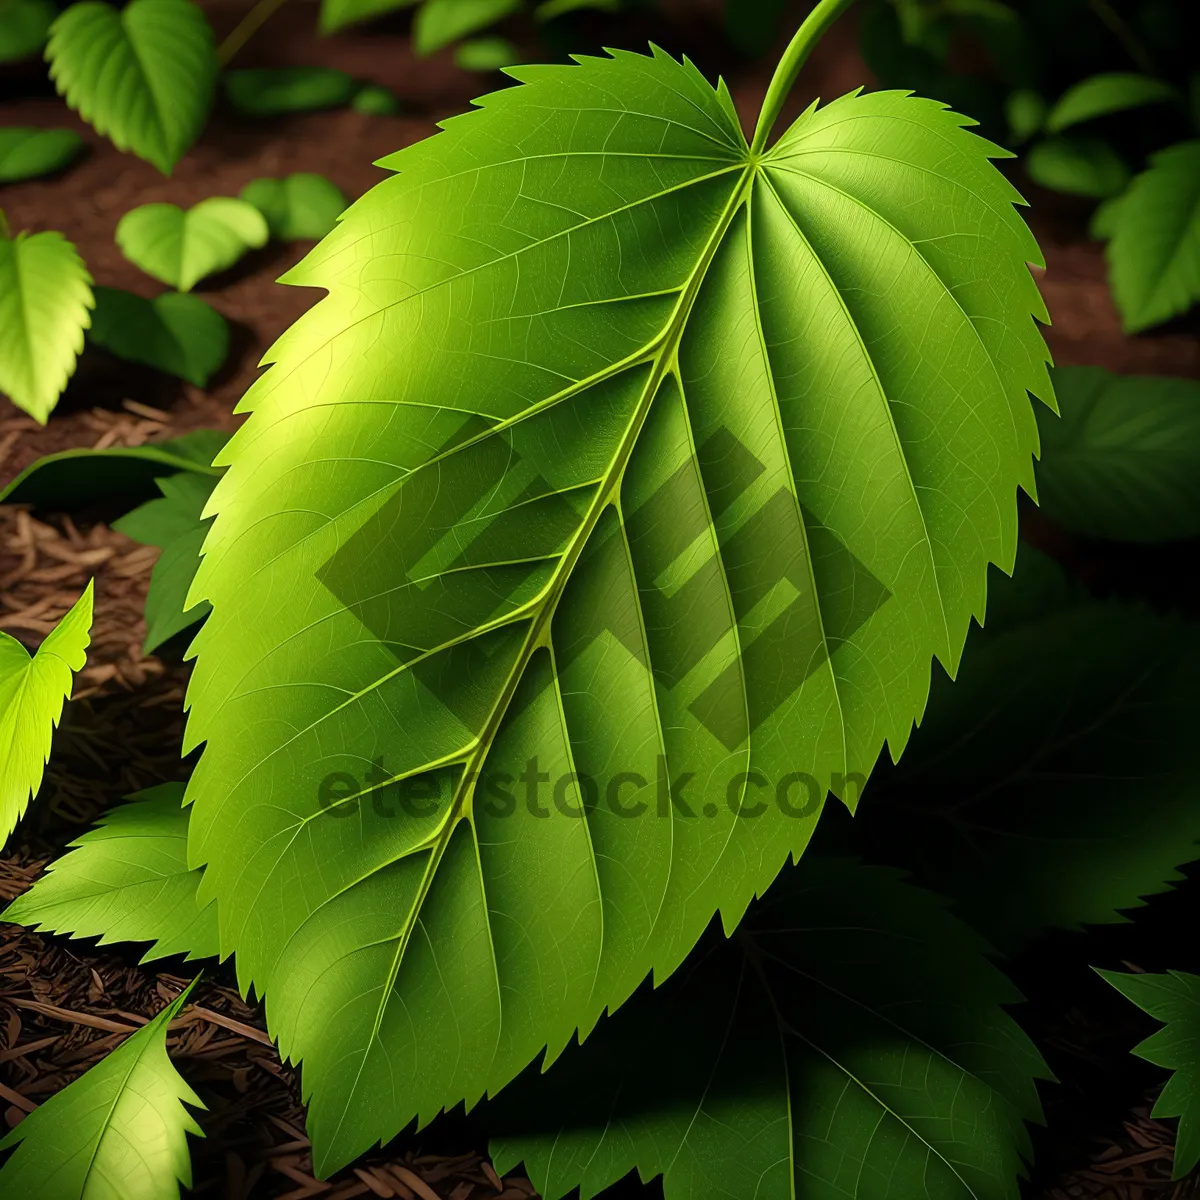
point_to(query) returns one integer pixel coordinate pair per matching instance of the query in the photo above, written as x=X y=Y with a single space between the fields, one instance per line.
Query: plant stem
x=794 y=57
x=246 y=28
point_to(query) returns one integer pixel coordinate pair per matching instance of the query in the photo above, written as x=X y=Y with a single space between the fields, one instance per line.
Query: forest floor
x=63 y=1005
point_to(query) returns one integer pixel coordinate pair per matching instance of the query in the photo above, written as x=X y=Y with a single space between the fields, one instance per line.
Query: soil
x=64 y=1004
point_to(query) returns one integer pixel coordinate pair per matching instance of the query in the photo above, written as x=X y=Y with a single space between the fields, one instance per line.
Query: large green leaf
x=174 y=332
x=1154 y=251
x=181 y=248
x=1100 y=95
x=849 y=1040
x=440 y=22
x=1123 y=462
x=119 y=1132
x=24 y=25
x=1174 y=999
x=32 y=692
x=29 y=153
x=80 y=476
x=142 y=76
x=612 y=453
x=126 y=881
x=45 y=294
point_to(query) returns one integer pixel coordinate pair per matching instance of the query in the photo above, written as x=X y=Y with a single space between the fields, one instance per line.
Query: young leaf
x=1174 y=999
x=32 y=691
x=486 y=54
x=173 y=523
x=1154 y=252
x=611 y=447
x=1123 y=461
x=29 y=153
x=1063 y=756
x=848 y=1040
x=336 y=14
x=74 y=477
x=126 y=881
x=174 y=332
x=24 y=25
x=269 y=91
x=142 y=76
x=375 y=102
x=300 y=206
x=1025 y=112
x=45 y=294
x=1078 y=166
x=119 y=1130
x=440 y=22
x=181 y=248
x=1102 y=95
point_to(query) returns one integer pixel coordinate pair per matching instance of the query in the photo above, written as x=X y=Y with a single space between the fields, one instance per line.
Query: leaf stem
x=794 y=57
x=246 y=28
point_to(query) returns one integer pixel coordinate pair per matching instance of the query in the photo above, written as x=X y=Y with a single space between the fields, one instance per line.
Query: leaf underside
x=610 y=457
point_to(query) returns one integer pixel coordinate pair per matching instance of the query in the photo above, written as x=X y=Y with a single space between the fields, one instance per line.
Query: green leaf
x=174 y=523
x=127 y=880
x=376 y=102
x=300 y=206
x=1025 y=112
x=1123 y=462
x=1101 y=95
x=45 y=295
x=1154 y=252
x=486 y=54
x=547 y=10
x=849 y=1039
x=143 y=76
x=269 y=91
x=174 y=332
x=1078 y=166
x=24 y=25
x=1064 y=757
x=336 y=14
x=1104 y=220
x=118 y=1131
x=71 y=478
x=1174 y=999
x=29 y=153
x=585 y=293
x=32 y=692
x=181 y=248
x=440 y=22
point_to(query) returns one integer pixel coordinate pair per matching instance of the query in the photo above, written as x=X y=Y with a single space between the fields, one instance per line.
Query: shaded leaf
x=440 y=22
x=486 y=54
x=301 y=206
x=142 y=76
x=547 y=10
x=376 y=102
x=269 y=91
x=1025 y=112
x=29 y=153
x=180 y=248
x=1078 y=166
x=32 y=692
x=119 y=1131
x=45 y=295
x=336 y=14
x=174 y=332
x=127 y=880
x=849 y=1039
x=24 y=26
x=1115 y=91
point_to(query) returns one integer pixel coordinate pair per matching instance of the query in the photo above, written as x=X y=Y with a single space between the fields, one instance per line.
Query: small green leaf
x=301 y=206
x=181 y=248
x=126 y=881
x=269 y=91
x=849 y=1040
x=24 y=27
x=174 y=332
x=549 y=9
x=45 y=295
x=173 y=523
x=29 y=153
x=376 y=101
x=1101 y=95
x=143 y=76
x=1123 y=461
x=486 y=54
x=336 y=14
x=70 y=478
x=440 y=22
x=1077 y=166
x=32 y=692
x=1174 y=999
x=1025 y=111
x=1154 y=251
x=118 y=1131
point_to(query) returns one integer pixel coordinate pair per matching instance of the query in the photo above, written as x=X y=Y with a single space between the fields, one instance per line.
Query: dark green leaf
x=336 y=14
x=24 y=27
x=300 y=206
x=440 y=22
x=29 y=153
x=1101 y=95
x=376 y=102
x=1078 y=166
x=1025 y=111
x=269 y=91
x=486 y=54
